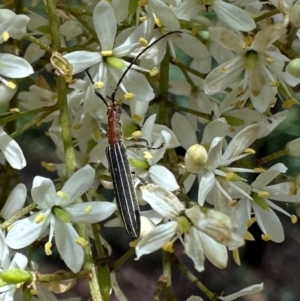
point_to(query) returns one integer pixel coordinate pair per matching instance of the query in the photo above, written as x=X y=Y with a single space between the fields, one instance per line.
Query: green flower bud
x=293 y=67
x=115 y=62
x=61 y=214
x=16 y=276
x=138 y=163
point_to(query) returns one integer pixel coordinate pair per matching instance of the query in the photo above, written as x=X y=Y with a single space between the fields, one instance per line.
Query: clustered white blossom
x=235 y=74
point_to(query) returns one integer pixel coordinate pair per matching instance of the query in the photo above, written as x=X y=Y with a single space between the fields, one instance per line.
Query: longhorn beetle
x=117 y=157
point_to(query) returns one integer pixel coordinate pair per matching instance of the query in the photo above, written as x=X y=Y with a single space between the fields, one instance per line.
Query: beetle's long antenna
x=96 y=92
x=134 y=60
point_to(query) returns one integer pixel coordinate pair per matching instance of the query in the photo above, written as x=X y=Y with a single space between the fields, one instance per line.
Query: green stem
x=291 y=37
x=160 y=286
x=195 y=280
x=188 y=78
x=102 y=268
x=89 y=263
x=17 y=216
x=33 y=122
x=190 y=70
x=267 y=15
x=38 y=42
x=271 y=157
x=167 y=274
x=288 y=51
x=124 y=258
x=62 y=275
x=164 y=88
x=193 y=112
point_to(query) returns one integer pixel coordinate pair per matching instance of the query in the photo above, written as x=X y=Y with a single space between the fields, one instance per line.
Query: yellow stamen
x=259 y=170
x=129 y=96
x=294 y=219
x=88 y=209
x=266 y=237
x=288 y=103
x=269 y=59
x=263 y=194
x=137 y=118
x=39 y=218
x=153 y=71
x=49 y=166
x=176 y=60
x=250 y=151
x=81 y=241
x=142 y=19
x=158 y=22
x=14 y=110
x=249 y=236
x=62 y=195
x=147 y=155
x=98 y=85
x=107 y=53
x=48 y=247
x=236 y=256
x=233 y=203
x=250 y=222
x=293 y=189
x=5 y=36
x=168 y=247
x=10 y=85
x=143 y=42
x=137 y=134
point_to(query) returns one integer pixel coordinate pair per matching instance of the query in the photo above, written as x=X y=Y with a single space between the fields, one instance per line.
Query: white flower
x=11 y=151
x=58 y=210
x=261 y=205
x=230 y=14
x=109 y=65
x=207 y=236
x=262 y=64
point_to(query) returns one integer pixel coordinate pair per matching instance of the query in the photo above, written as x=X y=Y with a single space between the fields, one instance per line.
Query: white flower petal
x=15 y=201
x=14 y=67
x=269 y=223
x=79 y=183
x=69 y=250
x=82 y=60
x=207 y=182
x=269 y=175
x=241 y=141
x=26 y=231
x=90 y=212
x=163 y=177
x=224 y=75
x=253 y=289
x=156 y=239
x=183 y=130
x=162 y=201
x=215 y=252
x=43 y=192
x=11 y=151
x=193 y=248
x=105 y=24
x=234 y=16
x=227 y=38
x=191 y=46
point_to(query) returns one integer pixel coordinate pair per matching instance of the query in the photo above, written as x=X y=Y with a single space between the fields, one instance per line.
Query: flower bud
x=195 y=158
x=293 y=67
x=293 y=147
x=295 y=14
x=15 y=276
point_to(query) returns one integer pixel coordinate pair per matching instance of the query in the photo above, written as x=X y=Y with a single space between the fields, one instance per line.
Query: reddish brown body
x=114 y=131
